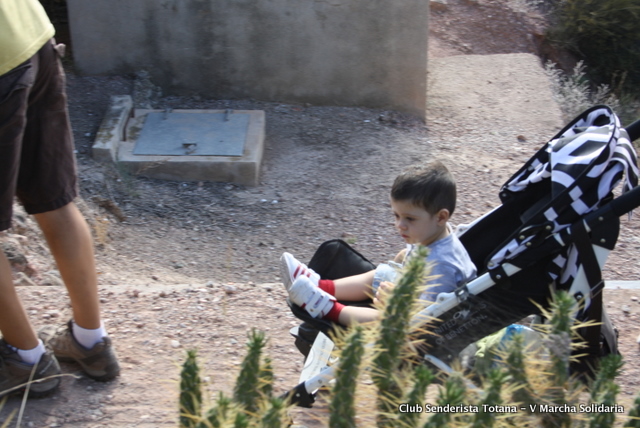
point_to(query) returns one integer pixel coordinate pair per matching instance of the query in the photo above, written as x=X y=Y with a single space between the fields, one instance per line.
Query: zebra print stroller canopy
x=556 y=225
x=579 y=168
x=544 y=236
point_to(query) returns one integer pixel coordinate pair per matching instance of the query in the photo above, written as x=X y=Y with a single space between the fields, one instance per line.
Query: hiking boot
x=99 y=363
x=291 y=269
x=15 y=374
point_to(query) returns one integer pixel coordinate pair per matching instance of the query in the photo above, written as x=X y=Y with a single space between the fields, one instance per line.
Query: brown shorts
x=37 y=163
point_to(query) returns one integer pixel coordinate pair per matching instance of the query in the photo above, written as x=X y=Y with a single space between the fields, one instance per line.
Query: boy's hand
x=383 y=290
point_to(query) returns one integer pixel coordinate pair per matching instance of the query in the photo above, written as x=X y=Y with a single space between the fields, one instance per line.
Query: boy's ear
x=443 y=216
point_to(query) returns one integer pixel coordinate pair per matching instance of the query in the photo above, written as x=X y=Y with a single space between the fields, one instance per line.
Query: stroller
x=554 y=230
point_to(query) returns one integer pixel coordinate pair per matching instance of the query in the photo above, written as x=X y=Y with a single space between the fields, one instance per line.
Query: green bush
x=605 y=34
x=575 y=93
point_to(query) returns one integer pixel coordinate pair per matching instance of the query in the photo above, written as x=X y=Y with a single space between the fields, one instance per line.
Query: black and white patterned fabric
x=582 y=164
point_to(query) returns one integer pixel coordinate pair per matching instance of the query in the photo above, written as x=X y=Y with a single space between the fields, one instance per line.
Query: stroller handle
x=633 y=130
x=627 y=202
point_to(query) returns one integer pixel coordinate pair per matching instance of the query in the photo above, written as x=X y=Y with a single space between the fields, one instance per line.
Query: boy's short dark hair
x=429 y=186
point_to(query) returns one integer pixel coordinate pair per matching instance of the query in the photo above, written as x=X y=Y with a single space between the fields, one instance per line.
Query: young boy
x=422 y=199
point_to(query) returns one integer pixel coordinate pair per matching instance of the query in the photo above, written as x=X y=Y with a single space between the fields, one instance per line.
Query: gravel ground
x=194 y=265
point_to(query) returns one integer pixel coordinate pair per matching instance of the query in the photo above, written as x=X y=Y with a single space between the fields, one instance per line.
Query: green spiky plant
x=517 y=372
x=241 y=420
x=520 y=378
x=558 y=343
x=492 y=396
x=453 y=393
x=252 y=403
x=217 y=414
x=247 y=391
x=634 y=415
x=274 y=415
x=342 y=406
x=608 y=398
x=392 y=337
x=609 y=369
x=423 y=377
x=190 y=391
x=604 y=390
x=265 y=378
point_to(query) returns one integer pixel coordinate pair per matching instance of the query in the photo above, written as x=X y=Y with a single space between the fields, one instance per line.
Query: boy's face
x=416 y=225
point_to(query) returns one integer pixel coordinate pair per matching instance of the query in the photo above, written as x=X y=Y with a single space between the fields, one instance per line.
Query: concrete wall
x=333 y=52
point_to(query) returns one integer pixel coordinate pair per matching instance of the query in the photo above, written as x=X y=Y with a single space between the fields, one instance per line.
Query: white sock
x=88 y=337
x=32 y=356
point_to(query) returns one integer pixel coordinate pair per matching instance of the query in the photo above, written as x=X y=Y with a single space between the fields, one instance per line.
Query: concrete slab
x=116 y=141
x=112 y=129
x=179 y=134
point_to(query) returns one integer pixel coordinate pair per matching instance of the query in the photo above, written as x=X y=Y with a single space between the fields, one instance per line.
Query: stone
x=16 y=257
x=23 y=279
x=438 y=5
x=51 y=278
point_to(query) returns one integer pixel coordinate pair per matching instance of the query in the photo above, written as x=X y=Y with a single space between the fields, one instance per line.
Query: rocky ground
x=194 y=265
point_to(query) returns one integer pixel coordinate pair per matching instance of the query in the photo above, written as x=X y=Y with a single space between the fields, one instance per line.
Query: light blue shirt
x=450 y=265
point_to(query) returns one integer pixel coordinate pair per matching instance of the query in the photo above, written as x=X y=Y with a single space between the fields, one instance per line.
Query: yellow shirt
x=24 y=29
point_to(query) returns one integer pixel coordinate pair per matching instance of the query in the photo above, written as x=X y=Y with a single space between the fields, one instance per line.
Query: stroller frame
x=492 y=300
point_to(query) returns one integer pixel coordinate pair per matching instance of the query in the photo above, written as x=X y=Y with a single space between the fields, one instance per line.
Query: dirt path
x=194 y=265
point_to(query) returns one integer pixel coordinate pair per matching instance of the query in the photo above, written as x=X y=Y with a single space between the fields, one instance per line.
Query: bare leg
x=14 y=322
x=352 y=314
x=355 y=288
x=69 y=239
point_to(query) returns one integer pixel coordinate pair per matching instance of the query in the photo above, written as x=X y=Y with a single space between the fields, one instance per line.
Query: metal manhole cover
x=193 y=134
